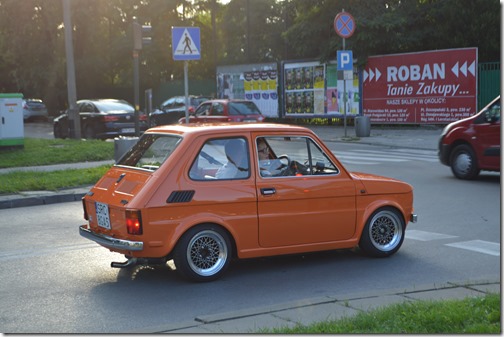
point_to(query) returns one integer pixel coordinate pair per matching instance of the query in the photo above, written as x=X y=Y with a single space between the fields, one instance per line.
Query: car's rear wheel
x=383 y=234
x=203 y=253
x=153 y=122
x=463 y=162
x=58 y=132
x=89 y=132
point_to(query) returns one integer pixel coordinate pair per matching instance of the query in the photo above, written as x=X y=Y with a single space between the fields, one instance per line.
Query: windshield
x=150 y=152
x=243 y=108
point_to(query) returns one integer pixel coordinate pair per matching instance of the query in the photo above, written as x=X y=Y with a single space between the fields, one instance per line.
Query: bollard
x=362 y=126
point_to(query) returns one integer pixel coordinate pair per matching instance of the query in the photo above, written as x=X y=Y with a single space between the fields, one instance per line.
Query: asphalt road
x=54 y=281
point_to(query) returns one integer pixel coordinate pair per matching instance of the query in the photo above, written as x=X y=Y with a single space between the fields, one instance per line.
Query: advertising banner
x=432 y=87
x=312 y=89
x=253 y=82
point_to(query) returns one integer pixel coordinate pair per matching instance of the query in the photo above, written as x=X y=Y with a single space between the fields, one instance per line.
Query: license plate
x=128 y=130
x=102 y=215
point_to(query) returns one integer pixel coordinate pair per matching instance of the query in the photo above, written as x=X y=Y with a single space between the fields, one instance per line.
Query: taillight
x=85 y=209
x=134 y=222
x=110 y=118
x=143 y=117
x=190 y=109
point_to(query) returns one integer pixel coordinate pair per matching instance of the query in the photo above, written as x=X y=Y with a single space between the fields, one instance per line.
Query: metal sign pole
x=344 y=97
x=186 y=90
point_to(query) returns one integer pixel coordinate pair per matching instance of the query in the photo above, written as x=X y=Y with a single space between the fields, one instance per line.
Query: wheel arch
x=374 y=207
x=181 y=230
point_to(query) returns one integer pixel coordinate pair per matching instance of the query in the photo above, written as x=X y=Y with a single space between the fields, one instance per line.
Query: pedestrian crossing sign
x=186 y=43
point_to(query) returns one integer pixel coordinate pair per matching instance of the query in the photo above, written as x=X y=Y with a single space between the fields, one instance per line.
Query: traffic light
x=141 y=35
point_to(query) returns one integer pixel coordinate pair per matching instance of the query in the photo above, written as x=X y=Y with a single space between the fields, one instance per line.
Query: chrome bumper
x=110 y=242
x=413 y=218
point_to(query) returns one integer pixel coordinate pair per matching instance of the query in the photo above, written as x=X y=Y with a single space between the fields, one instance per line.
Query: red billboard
x=432 y=87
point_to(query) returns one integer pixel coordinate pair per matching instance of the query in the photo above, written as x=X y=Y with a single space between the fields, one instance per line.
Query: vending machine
x=11 y=121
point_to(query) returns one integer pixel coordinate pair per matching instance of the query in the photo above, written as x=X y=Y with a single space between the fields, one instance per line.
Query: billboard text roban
x=433 y=87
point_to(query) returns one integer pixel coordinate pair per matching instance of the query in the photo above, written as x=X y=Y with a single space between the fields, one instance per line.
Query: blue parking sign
x=344 y=59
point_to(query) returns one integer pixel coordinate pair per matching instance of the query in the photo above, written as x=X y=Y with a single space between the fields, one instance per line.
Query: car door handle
x=268 y=191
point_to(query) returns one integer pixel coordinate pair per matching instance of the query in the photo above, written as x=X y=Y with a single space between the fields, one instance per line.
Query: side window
x=217 y=109
x=292 y=156
x=203 y=110
x=86 y=107
x=222 y=159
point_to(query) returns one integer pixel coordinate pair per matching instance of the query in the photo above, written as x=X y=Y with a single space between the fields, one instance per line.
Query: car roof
x=202 y=128
x=227 y=100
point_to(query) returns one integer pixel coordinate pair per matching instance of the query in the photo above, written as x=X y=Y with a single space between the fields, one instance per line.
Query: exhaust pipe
x=129 y=263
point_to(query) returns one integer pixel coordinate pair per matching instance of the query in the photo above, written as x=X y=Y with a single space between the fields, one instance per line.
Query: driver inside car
x=268 y=164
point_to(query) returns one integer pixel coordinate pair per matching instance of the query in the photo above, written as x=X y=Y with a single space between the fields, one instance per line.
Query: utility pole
x=73 y=113
x=139 y=40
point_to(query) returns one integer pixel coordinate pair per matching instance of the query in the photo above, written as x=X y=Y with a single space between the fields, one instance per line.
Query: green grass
x=37 y=152
x=480 y=315
x=19 y=181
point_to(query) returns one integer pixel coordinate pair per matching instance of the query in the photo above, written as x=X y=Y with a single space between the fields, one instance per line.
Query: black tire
x=383 y=234
x=153 y=122
x=89 y=132
x=57 y=131
x=463 y=162
x=203 y=253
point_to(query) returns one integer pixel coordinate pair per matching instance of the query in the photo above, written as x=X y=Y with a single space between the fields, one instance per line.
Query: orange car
x=204 y=194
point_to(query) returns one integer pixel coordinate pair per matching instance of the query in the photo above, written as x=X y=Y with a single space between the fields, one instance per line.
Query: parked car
x=226 y=110
x=102 y=118
x=473 y=144
x=173 y=109
x=205 y=194
x=34 y=108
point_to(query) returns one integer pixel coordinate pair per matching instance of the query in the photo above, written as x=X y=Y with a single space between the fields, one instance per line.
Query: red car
x=473 y=144
x=225 y=110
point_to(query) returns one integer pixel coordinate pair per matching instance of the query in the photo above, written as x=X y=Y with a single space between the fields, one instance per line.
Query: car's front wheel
x=383 y=234
x=463 y=162
x=203 y=253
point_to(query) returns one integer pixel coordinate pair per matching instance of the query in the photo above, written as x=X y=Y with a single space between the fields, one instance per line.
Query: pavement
x=306 y=311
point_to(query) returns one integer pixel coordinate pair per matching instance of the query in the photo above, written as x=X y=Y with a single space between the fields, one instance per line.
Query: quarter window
x=222 y=159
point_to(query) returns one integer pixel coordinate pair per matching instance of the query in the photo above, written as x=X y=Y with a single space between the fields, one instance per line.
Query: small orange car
x=201 y=195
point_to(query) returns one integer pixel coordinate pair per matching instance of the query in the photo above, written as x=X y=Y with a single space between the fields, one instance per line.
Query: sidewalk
x=424 y=137
x=313 y=310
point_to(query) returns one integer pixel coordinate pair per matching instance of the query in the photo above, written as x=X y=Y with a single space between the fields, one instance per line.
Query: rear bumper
x=110 y=242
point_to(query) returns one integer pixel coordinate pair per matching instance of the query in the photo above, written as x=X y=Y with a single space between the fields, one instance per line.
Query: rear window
x=150 y=152
x=114 y=106
x=243 y=108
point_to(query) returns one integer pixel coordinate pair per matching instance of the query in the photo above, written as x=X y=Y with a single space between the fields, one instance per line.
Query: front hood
x=375 y=184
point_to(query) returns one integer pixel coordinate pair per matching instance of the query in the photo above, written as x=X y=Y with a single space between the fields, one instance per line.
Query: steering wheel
x=286 y=158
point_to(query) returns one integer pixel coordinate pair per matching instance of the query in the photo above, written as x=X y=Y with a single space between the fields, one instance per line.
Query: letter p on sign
x=344 y=59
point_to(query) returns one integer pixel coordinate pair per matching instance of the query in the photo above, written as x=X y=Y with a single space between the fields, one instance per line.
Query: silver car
x=34 y=109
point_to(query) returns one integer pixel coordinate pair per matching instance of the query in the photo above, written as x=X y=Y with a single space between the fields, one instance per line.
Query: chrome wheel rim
x=385 y=230
x=207 y=253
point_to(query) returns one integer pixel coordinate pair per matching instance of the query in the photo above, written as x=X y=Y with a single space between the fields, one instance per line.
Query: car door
x=489 y=134
x=216 y=114
x=316 y=206
x=201 y=113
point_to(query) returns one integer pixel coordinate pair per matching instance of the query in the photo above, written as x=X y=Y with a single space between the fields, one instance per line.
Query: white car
x=34 y=108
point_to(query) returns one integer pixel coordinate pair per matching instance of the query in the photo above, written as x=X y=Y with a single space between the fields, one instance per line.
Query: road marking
x=426 y=236
x=373 y=157
x=479 y=246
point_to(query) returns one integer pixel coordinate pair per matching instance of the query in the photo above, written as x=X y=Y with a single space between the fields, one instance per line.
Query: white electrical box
x=11 y=121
